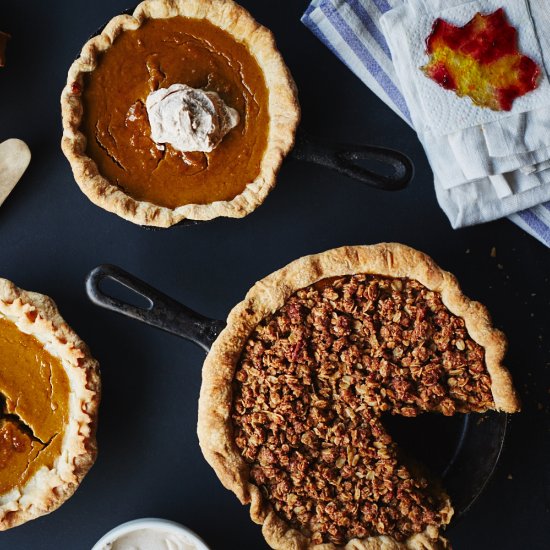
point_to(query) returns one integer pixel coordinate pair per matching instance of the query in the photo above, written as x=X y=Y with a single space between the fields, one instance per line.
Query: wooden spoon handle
x=15 y=157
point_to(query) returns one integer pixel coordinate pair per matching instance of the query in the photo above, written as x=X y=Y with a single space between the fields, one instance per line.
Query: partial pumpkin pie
x=182 y=110
x=49 y=395
x=295 y=388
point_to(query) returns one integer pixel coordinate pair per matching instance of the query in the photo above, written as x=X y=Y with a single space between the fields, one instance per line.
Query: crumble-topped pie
x=294 y=390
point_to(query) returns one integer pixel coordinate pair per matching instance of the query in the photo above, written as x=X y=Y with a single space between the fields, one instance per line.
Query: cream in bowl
x=150 y=534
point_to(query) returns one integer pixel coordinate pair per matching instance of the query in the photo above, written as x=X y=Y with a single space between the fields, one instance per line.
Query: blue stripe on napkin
x=382 y=5
x=370 y=25
x=537 y=226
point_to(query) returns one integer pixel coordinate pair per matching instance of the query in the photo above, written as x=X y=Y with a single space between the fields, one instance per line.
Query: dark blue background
x=51 y=236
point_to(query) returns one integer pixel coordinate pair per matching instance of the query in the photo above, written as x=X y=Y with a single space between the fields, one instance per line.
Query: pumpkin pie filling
x=160 y=53
x=310 y=389
x=34 y=390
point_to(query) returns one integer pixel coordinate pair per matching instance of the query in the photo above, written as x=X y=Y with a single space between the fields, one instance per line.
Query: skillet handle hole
x=369 y=164
x=117 y=290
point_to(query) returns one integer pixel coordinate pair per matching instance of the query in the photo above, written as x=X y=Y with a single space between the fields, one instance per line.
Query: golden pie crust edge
x=47 y=489
x=215 y=427
x=284 y=113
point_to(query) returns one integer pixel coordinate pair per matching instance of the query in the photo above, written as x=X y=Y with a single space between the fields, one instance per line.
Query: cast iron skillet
x=342 y=158
x=462 y=450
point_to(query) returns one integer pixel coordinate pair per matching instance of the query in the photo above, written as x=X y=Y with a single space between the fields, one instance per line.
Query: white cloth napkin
x=502 y=184
x=437 y=113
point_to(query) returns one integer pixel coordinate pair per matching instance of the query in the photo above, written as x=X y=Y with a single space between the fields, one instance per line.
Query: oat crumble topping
x=312 y=385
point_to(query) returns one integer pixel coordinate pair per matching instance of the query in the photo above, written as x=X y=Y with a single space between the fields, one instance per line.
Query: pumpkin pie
x=49 y=394
x=143 y=90
x=295 y=389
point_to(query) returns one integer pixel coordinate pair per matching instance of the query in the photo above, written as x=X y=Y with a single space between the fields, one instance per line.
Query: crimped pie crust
x=215 y=428
x=284 y=112
x=47 y=489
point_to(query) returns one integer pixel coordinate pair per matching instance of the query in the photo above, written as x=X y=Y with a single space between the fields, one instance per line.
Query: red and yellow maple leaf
x=481 y=60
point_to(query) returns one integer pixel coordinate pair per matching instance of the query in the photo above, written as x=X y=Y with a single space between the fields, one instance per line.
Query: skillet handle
x=343 y=159
x=163 y=312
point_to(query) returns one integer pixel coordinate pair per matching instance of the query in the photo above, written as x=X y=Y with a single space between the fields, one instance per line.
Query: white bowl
x=150 y=523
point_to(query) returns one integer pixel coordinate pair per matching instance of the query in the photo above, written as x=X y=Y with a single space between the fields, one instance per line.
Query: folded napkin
x=441 y=118
x=407 y=26
x=484 y=171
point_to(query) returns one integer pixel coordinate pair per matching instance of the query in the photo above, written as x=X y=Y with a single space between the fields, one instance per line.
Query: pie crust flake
x=171 y=186
x=50 y=391
x=295 y=385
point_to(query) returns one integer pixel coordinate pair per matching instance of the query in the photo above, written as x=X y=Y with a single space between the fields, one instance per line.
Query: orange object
x=165 y=52
x=35 y=394
x=481 y=60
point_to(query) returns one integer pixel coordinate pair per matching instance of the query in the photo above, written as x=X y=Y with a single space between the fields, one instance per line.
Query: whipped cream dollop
x=189 y=119
x=151 y=539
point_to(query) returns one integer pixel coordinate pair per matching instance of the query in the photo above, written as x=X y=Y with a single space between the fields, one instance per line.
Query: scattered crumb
x=510 y=476
x=467 y=251
x=493 y=252
x=500 y=266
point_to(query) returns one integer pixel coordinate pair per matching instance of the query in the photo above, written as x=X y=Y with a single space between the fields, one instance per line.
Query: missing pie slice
x=294 y=390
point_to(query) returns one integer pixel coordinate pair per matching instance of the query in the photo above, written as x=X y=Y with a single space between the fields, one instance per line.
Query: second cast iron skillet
x=462 y=450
